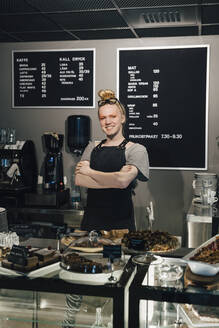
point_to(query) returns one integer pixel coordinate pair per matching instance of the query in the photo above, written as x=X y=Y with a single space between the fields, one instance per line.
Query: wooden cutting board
x=208 y=282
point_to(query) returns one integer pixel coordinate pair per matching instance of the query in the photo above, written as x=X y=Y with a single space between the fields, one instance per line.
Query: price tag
x=18 y=255
x=137 y=244
x=20 y=251
x=112 y=251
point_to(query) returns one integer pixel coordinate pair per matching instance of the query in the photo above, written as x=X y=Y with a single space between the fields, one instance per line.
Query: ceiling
x=59 y=20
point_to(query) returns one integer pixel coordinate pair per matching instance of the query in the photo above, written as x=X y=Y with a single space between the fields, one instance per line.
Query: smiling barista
x=110 y=170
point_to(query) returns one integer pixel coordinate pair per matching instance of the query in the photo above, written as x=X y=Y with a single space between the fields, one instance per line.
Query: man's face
x=111 y=119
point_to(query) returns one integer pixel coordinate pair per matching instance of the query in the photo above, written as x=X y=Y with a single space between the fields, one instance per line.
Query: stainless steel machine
x=202 y=209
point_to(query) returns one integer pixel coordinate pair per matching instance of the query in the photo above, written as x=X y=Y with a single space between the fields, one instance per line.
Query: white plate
x=46 y=270
x=202 y=268
x=8 y=272
x=89 y=278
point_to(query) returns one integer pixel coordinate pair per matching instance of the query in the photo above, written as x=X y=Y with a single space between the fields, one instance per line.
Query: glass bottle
x=75 y=193
x=99 y=321
x=11 y=136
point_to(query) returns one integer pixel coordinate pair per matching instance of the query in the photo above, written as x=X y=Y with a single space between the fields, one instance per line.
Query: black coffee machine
x=53 y=179
x=18 y=172
x=52 y=193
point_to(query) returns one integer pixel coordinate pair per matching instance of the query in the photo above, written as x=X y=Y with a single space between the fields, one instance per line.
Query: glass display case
x=43 y=309
x=163 y=294
x=157 y=295
x=47 y=298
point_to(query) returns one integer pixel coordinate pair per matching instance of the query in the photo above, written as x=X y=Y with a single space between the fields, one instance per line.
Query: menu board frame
x=130 y=53
x=67 y=52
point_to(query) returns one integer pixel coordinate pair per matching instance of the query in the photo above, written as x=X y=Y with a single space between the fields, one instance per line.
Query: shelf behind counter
x=44 y=222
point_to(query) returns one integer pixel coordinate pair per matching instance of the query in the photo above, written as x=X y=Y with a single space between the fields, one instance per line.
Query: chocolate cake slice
x=77 y=263
x=25 y=259
x=44 y=254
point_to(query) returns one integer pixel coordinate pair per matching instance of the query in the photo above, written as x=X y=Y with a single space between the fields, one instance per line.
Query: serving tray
x=166 y=252
x=202 y=268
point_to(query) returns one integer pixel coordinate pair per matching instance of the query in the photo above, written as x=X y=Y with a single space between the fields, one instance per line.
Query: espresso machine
x=18 y=172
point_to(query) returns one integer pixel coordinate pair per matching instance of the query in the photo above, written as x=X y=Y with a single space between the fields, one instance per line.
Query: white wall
x=170 y=190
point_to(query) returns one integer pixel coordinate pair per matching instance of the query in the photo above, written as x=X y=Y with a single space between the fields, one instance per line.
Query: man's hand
x=126 y=168
x=83 y=167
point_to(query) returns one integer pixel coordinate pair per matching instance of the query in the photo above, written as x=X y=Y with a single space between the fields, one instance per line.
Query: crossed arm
x=85 y=176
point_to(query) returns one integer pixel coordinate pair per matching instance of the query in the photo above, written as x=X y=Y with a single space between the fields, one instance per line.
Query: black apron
x=111 y=208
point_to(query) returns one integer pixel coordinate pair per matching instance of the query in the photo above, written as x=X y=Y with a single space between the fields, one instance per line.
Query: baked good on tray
x=26 y=259
x=153 y=241
x=90 y=244
x=4 y=251
x=85 y=244
x=208 y=253
x=76 y=263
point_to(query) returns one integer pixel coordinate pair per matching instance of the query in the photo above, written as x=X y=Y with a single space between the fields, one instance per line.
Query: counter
x=46 y=280
x=127 y=302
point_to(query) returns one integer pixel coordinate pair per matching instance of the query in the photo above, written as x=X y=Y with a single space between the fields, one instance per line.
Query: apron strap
x=120 y=146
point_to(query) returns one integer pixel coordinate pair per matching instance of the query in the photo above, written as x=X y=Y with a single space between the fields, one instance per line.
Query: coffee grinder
x=52 y=192
x=53 y=179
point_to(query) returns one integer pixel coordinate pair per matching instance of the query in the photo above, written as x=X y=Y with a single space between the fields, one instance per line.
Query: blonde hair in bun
x=109 y=94
x=106 y=94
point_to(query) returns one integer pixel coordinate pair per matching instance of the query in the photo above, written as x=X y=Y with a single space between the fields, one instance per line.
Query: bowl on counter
x=203 y=269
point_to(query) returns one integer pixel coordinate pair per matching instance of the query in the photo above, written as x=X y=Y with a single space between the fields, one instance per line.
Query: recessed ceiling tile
x=69 y=5
x=210 y=30
x=89 y=20
x=7 y=38
x=209 y=1
x=104 y=34
x=46 y=36
x=210 y=14
x=15 y=6
x=26 y=22
x=167 y=31
x=154 y=3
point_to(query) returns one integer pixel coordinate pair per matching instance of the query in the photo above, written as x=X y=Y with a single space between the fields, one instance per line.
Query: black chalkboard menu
x=165 y=92
x=53 y=78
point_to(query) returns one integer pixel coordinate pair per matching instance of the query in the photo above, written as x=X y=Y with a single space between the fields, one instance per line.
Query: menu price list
x=164 y=92
x=53 y=78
